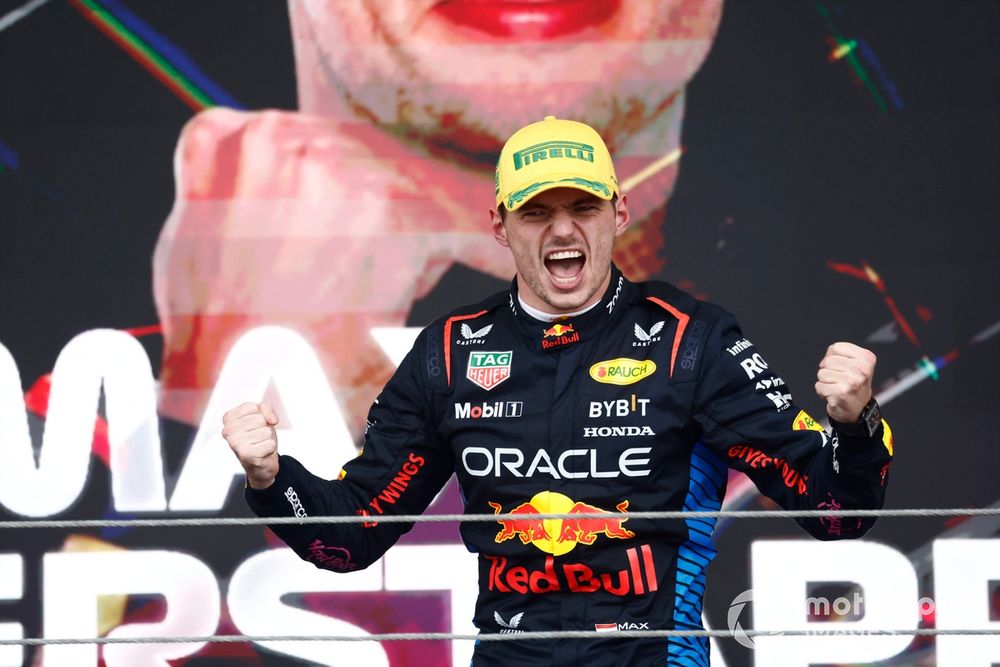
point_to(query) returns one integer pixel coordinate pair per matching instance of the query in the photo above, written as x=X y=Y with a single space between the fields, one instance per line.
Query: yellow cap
x=553 y=153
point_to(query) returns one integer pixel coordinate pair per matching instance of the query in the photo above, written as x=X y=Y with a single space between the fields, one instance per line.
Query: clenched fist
x=844 y=381
x=249 y=430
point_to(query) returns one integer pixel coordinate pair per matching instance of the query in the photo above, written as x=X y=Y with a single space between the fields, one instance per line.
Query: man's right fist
x=249 y=430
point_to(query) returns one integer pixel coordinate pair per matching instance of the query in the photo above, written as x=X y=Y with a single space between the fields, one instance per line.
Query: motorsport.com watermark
x=820 y=608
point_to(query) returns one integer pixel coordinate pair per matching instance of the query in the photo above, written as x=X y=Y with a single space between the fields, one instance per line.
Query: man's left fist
x=845 y=381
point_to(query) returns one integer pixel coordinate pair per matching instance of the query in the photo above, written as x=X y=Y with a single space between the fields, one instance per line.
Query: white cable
x=465 y=518
x=493 y=637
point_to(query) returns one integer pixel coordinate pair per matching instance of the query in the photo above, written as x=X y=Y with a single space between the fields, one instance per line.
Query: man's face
x=466 y=73
x=561 y=241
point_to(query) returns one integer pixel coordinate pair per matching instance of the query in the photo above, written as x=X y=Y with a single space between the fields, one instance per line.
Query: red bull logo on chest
x=560 y=536
x=557 y=330
x=559 y=334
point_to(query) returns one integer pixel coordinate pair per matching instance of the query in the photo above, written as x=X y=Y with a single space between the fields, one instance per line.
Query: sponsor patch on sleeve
x=803 y=422
x=887 y=437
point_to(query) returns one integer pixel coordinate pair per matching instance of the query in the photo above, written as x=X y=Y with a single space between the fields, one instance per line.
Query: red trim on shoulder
x=447 y=339
x=682 y=322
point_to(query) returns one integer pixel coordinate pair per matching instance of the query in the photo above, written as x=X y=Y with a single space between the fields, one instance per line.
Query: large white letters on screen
x=255 y=605
x=963 y=570
x=395 y=341
x=257 y=586
x=314 y=430
x=73 y=581
x=312 y=427
x=103 y=355
x=781 y=572
x=448 y=567
x=11 y=588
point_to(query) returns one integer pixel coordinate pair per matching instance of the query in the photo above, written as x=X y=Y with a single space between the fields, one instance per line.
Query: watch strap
x=866 y=425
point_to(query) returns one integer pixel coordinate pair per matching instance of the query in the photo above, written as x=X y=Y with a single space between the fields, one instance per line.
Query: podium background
x=790 y=164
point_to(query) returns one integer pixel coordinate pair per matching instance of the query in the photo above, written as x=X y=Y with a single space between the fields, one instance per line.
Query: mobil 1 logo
x=489 y=410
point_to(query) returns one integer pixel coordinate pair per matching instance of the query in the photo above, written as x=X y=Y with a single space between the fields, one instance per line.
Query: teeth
x=565 y=254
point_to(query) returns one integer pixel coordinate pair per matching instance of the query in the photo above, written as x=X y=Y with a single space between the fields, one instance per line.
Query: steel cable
x=465 y=518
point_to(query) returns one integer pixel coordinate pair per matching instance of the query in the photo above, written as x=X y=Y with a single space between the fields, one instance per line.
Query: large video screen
x=205 y=202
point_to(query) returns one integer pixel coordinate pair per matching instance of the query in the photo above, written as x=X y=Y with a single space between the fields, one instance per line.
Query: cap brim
x=520 y=197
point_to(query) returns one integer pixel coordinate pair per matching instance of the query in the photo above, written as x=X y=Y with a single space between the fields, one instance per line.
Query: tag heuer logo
x=488 y=369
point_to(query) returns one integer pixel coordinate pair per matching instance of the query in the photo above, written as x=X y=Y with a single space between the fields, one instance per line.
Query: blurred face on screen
x=464 y=74
x=334 y=219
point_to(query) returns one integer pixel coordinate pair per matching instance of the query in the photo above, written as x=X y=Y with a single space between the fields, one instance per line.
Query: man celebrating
x=398 y=125
x=579 y=393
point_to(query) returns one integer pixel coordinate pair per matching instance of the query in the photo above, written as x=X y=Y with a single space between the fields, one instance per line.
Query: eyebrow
x=534 y=207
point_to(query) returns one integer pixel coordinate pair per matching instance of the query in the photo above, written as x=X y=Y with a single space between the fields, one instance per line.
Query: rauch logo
x=622 y=371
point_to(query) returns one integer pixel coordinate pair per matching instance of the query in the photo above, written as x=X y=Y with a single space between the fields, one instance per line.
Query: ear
x=499 y=230
x=621 y=215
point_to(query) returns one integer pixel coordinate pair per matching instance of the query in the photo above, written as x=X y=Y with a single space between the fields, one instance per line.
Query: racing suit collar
x=565 y=332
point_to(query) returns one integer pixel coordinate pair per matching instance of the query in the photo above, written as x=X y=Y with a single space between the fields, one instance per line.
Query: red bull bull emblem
x=559 y=536
x=559 y=334
x=557 y=330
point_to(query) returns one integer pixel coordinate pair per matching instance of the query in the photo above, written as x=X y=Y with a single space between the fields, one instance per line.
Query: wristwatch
x=867 y=424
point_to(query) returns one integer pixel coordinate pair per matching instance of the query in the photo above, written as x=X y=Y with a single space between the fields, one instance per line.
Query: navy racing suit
x=639 y=404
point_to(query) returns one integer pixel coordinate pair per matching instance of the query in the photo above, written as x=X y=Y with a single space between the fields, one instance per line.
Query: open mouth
x=565 y=267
